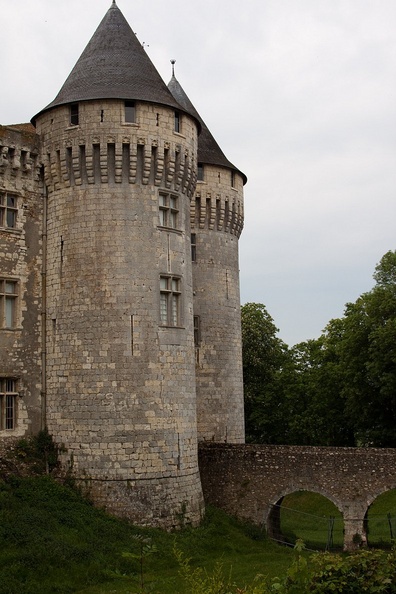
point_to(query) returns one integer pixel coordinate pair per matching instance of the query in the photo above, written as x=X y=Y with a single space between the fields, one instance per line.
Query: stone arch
x=386 y=526
x=272 y=520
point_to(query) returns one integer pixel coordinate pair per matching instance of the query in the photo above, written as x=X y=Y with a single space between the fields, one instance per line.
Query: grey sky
x=300 y=95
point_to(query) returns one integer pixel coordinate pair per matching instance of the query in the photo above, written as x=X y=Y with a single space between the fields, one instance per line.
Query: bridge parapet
x=248 y=480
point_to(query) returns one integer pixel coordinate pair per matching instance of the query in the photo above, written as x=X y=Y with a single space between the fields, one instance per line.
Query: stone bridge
x=247 y=481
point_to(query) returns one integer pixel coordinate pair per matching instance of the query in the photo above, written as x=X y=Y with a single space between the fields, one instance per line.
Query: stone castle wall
x=121 y=384
x=21 y=264
x=217 y=221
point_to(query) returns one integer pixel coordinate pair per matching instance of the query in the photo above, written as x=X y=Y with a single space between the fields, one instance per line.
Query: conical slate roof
x=209 y=151
x=114 y=65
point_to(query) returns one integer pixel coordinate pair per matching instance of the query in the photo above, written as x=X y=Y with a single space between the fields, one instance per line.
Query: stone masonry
x=99 y=291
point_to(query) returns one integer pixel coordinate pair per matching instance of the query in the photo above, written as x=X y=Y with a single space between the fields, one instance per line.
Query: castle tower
x=216 y=225
x=120 y=169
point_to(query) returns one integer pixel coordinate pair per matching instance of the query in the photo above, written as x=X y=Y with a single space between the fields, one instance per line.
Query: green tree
x=368 y=350
x=265 y=357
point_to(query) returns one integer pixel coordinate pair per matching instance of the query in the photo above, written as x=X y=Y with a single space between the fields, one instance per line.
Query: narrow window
x=74 y=115
x=8 y=300
x=170 y=295
x=200 y=172
x=193 y=247
x=8 y=407
x=8 y=211
x=168 y=210
x=197 y=330
x=177 y=121
x=130 y=112
x=232 y=179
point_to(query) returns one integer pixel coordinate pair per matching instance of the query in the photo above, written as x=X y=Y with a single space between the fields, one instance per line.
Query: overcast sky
x=300 y=95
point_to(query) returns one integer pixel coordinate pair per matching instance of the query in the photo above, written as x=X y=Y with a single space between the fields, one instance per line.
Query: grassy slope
x=53 y=541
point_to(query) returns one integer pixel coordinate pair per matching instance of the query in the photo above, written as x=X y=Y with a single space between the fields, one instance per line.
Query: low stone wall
x=247 y=480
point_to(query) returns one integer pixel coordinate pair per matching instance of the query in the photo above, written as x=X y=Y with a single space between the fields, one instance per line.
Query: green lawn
x=308 y=516
x=382 y=520
x=52 y=541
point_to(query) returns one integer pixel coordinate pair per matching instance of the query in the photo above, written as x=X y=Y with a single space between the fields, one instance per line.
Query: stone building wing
x=209 y=151
x=114 y=65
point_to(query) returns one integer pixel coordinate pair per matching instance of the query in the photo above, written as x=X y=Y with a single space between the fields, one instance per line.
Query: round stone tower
x=120 y=169
x=216 y=225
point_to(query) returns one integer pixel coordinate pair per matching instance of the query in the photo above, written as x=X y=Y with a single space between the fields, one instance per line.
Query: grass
x=52 y=541
x=382 y=520
x=307 y=516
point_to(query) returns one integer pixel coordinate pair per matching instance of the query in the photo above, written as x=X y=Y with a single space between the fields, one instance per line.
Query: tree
x=369 y=357
x=264 y=358
x=337 y=390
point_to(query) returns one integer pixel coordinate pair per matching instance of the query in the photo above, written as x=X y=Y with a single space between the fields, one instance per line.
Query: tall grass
x=52 y=541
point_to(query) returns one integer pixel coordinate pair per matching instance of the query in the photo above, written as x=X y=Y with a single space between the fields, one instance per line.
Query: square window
x=170 y=296
x=168 y=210
x=8 y=303
x=8 y=403
x=8 y=210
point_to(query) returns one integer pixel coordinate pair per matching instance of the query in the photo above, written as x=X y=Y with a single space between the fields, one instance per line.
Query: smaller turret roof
x=209 y=151
x=114 y=65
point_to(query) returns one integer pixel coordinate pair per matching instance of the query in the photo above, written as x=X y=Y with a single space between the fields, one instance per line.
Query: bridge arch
x=235 y=477
x=380 y=518
x=274 y=512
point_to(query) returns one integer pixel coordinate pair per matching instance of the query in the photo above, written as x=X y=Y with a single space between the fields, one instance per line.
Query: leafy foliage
x=339 y=389
x=264 y=358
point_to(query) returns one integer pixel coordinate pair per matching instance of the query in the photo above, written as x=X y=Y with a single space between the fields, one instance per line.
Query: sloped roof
x=114 y=65
x=209 y=151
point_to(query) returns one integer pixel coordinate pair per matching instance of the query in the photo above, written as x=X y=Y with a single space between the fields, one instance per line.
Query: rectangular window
x=8 y=403
x=130 y=112
x=193 y=247
x=200 y=172
x=8 y=300
x=74 y=115
x=170 y=296
x=197 y=330
x=168 y=210
x=8 y=210
x=232 y=179
x=177 y=121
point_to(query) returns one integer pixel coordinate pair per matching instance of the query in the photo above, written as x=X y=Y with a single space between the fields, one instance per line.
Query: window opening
x=8 y=405
x=200 y=172
x=74 y=114
x=170 y=295
x=168 y=210
x=197 y=330
x=177 y=121
x=8 y=298
x=193 y=247
x=130 y=112
x=8 y=211
x=232 y=179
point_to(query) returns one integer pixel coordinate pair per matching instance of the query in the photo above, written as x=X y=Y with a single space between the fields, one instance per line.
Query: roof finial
x=173 y=62
x=114 y=3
